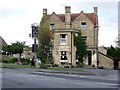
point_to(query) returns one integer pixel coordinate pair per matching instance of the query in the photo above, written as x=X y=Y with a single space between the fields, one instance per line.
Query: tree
x=44 y=41
x=115 y=54
x=81 y=47
x=15 y=48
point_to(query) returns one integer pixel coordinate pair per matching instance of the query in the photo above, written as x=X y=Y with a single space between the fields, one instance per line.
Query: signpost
x=35 y=28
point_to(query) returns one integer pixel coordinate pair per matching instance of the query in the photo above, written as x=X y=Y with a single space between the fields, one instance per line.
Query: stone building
x=64 y=26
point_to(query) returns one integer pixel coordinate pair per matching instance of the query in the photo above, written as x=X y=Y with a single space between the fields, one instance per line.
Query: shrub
x=27 y=60
x=49 y=65
x=13 y=60
x=54 y=65
x=43 y=66
x=5 y=61
x=66 y=66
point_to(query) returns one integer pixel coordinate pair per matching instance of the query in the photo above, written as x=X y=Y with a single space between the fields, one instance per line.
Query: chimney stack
x=95 y=10
x=67 y=9
x=67 y=16
x=44 y=11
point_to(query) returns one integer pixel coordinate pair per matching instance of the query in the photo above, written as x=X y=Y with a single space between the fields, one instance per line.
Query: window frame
x=61 y=54
x=52 y=26
x=82 y=26
x=63 y=41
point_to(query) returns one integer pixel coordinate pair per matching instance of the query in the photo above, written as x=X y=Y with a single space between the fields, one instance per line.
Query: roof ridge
x=61 y=16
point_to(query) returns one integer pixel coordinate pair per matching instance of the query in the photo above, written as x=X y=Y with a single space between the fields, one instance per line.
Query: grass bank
x=14 y=66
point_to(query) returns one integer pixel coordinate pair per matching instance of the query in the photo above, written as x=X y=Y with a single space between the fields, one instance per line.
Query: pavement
x=66 y=72
x=96 y=74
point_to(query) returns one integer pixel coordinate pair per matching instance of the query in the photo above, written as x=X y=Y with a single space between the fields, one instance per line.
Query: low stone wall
x=105 y=62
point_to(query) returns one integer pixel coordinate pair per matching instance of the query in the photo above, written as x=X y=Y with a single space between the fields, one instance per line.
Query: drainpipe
x=71 y=49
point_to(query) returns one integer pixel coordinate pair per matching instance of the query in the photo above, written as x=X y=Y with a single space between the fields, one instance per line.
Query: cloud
x=108 y=32
x=16 y=17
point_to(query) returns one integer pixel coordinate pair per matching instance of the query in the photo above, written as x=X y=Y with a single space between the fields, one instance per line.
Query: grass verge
x=14 y=66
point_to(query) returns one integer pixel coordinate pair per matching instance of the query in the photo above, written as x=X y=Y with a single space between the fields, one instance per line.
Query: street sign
x=34 y=31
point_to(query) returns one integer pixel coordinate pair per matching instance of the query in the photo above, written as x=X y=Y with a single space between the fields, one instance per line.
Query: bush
x=5 y=61
x=49 y=65
x=13 y=60
x=27 y=60
x=43 y=66
x=54 y=65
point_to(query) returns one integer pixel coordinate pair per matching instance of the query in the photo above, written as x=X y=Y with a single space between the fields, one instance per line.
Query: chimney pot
x=67 y=9
x=44 y=11
x=95 y=10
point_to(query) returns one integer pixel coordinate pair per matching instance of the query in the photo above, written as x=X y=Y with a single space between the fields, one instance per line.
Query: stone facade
x=64 y=26
x=105 y=61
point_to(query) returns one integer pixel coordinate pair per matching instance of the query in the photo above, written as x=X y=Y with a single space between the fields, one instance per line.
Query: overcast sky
x=16 y=17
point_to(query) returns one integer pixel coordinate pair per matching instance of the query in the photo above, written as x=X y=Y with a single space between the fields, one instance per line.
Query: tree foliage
x=15 y=48
x=81 y=47
x=44 y=41
x=114 y=53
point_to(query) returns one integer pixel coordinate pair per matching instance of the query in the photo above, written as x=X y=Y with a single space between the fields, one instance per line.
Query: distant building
x=64 y=26
x=27 y=53
x=2 y=41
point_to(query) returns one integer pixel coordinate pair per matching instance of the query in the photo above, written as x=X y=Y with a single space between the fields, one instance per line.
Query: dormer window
x=83 y=25
x=52 y=26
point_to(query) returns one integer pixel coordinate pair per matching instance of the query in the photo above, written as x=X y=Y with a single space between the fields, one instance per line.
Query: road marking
x=82 y=76
x=109 y=83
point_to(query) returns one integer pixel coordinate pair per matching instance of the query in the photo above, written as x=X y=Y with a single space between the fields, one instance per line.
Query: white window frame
x=83 y=27
x=63 y=55
x=63 y=41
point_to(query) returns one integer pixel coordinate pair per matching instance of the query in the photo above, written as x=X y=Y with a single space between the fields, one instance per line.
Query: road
x=28 y=78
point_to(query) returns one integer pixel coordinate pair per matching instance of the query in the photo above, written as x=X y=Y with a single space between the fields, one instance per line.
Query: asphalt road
x=28 y=78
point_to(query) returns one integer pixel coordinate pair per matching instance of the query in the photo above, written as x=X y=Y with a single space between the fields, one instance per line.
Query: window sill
x=63 y=60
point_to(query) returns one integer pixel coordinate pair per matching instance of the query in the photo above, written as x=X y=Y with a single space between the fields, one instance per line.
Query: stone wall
x=106 y=62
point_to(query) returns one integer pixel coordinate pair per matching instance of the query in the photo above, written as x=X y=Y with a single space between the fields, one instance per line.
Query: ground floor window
x=50 y=54
x=63 y=55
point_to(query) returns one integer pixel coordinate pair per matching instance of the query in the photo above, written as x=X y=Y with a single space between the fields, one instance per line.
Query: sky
x=16 y=17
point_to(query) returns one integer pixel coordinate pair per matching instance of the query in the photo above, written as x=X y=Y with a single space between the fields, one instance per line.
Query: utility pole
x=35 y=28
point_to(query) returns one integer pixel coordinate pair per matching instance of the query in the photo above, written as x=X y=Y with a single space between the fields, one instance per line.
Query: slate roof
x=90 y=16
x=2 y=41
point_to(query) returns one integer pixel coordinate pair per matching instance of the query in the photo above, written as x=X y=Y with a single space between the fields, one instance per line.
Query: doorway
x=89 y=57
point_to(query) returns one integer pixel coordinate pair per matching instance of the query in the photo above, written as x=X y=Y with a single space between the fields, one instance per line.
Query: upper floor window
x=63 y=55
x=84 y=39
x=83 y=25
x=52 y=26
x=63 y=39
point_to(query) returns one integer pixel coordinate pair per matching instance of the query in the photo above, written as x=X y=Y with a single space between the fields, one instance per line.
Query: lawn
x=14 y=66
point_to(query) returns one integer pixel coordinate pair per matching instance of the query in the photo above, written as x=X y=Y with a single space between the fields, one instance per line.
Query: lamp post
x=35 y=28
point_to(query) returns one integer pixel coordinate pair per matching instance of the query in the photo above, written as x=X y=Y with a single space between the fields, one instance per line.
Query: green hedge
x=43 y=66
x=13 y=60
